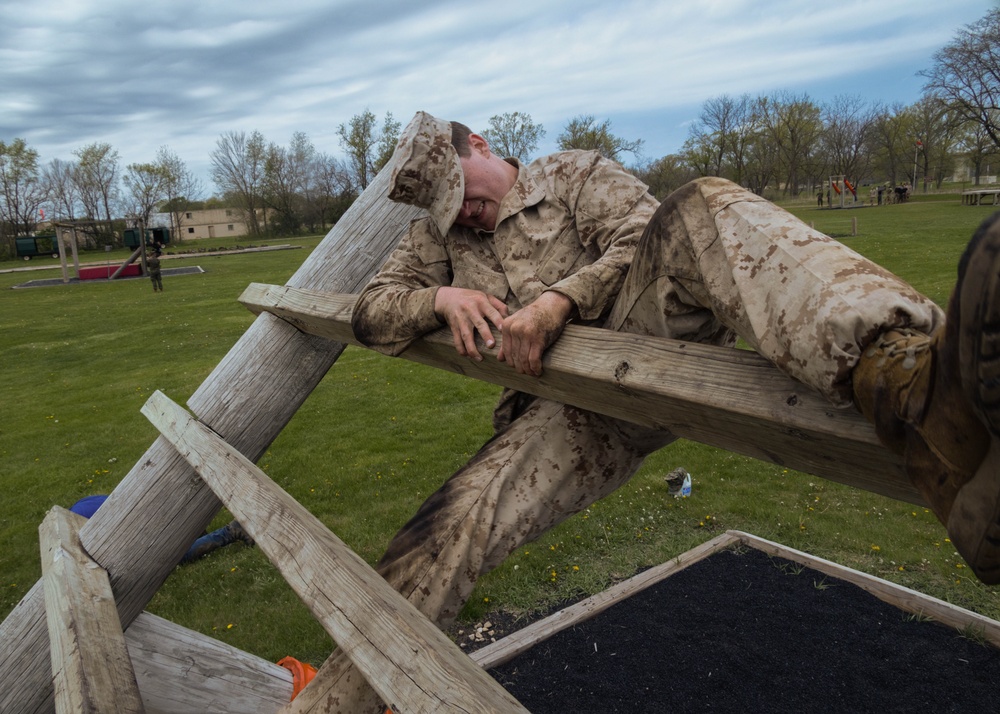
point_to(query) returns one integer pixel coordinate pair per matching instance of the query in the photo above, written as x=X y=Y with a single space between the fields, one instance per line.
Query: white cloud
x=180 y=73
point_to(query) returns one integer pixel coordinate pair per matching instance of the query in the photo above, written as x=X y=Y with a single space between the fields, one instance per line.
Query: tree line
x=781 y=144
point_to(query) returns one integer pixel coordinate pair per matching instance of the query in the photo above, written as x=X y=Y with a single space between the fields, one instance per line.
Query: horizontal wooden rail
x=733 y=399
x=406 y=659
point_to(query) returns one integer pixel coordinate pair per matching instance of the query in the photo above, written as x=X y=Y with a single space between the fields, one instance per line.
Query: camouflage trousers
x=715 y=262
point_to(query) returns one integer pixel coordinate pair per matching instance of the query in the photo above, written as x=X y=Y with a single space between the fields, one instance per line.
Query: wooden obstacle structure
x=728 y=398
x=975 y=196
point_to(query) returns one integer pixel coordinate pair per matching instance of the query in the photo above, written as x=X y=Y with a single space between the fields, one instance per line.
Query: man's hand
x=530 y=331
x=468 y=312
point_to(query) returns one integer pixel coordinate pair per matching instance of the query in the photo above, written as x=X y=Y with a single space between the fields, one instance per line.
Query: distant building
x=209 y=223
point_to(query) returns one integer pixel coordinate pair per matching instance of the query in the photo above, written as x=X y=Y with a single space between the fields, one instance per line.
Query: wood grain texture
x=181 y=671
x=161 y=506
x=91 y=669
x=406 y=659
x=733 y=399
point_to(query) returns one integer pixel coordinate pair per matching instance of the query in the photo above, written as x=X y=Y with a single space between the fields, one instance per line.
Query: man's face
x=487 y=181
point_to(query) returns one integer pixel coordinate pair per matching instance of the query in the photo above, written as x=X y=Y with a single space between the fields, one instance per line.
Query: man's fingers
x=500 y=306
x=486 y=333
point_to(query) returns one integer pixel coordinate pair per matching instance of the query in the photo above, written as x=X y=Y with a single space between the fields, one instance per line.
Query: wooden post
x=91 y=670
x=74 y=249
x=854 y=225
x=62 y=257
x=161 y=506
x=181 y=671
x=407 y=660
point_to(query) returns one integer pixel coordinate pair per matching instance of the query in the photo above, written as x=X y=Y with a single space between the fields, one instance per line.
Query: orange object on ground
x=302 y=673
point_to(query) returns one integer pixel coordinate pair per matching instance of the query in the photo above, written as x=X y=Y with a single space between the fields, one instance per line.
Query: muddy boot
x=936 y=401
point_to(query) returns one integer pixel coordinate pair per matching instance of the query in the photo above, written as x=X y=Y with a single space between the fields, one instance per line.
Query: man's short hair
x=460 y=138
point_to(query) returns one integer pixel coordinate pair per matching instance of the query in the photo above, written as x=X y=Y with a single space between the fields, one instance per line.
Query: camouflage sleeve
x=397 y=305
x=612 y=209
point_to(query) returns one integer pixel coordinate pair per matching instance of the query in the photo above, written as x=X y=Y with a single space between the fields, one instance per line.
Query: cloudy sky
x=141 y=75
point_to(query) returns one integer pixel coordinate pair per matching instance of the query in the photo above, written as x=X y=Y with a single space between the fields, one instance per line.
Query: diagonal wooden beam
x=733 y=399
x=91 y=669
x=160 y=506
x=404 y=657
x=185 y=672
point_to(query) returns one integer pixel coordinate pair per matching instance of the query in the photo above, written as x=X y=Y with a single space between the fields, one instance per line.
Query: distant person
x=819 y=199
x=219 y=538
x=153 y=265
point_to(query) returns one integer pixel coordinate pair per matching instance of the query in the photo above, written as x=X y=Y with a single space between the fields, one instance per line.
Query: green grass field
x=379 y=434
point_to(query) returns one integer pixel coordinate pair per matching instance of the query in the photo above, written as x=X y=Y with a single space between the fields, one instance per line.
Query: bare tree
x=793 y=126
x=583 y=132
x=96 y=178
x=936 y=134
x=513 y=135
x=966 y=74
x=387 y=140
x=665 y=175
x=238 y=166
x=716 y=130
x=63 y=195
x=145 y=187
x=287 y=181
x=893 y=141
x=849 y=124
x=22 y=192
x=180 y=188
x=334 y=189
x=978 y=149
x=720 y=142
x=368 y=148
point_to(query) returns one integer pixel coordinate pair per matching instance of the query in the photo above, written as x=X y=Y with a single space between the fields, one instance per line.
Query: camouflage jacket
x=570 y=224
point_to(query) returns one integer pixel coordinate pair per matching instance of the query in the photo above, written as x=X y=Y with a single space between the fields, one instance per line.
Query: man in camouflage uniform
x=153 y=267
x=521 y=250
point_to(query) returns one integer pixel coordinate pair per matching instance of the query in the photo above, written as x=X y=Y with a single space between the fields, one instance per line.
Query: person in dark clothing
x=153 y=265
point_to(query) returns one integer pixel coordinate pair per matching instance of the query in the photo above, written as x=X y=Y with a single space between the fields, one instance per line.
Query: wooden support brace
x=91 y=668
x=733 y=399
x=406 y=659
x=181 y=671
x=160 y=507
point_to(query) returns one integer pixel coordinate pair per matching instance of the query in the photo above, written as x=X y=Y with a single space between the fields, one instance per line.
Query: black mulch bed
x=742 y=631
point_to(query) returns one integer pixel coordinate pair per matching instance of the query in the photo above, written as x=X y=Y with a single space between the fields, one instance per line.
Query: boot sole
x=974 y=524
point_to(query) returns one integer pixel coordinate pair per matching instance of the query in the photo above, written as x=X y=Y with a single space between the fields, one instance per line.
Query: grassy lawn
x=378 y=435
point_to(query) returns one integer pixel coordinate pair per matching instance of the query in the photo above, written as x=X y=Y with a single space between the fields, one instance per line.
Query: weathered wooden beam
x=733 y=399
x=181 y=671
x=161 y=506
x=407 y=660
x=91 y=670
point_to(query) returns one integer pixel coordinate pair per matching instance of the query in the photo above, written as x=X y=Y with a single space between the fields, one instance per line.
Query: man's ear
x=479 y=145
